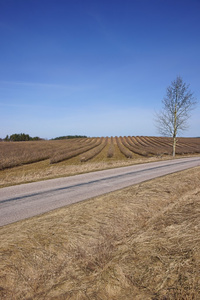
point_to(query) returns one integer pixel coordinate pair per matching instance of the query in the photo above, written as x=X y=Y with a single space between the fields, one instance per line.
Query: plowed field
x=36 y=160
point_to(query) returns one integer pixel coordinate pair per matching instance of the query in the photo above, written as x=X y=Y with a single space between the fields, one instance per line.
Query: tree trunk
x=174 y=146
x=175 y=128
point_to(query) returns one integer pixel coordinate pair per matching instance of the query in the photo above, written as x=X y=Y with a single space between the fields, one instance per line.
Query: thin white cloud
x=17 y=105
x=47 y=85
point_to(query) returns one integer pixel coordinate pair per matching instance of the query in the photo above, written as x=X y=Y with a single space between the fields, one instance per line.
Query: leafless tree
x=177 y=105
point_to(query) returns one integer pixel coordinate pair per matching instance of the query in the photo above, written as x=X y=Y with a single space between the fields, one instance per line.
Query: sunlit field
x=38 y=160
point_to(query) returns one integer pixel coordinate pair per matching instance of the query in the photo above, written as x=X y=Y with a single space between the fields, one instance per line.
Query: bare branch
x=177 y=105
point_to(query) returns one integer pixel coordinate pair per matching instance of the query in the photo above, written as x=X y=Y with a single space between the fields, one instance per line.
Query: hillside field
x=141 y=242
x=37 y=160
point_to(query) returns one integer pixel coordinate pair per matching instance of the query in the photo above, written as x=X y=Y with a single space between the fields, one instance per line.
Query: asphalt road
x=31 y=199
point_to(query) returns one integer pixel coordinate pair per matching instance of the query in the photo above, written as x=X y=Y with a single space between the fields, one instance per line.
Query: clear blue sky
x=94 y=67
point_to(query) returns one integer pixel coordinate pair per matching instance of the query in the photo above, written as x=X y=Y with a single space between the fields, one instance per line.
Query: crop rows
x=94 y=151
x=123 y=148
x=75 y=150
x=111 y=148
x=14 y=154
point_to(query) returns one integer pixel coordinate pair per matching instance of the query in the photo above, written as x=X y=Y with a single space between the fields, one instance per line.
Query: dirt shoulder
x=141 y=242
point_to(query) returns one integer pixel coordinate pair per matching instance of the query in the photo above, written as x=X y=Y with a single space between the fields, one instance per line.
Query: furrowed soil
x=142 y=242
x=22 y=162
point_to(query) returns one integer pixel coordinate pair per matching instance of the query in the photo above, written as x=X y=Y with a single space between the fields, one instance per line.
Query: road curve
x=31 y=199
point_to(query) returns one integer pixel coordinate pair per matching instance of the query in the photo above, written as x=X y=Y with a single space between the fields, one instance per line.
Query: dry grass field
x=37 y=160
x=142 y=242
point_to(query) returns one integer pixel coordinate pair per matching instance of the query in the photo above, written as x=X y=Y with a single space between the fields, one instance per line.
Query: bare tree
x=177 y=105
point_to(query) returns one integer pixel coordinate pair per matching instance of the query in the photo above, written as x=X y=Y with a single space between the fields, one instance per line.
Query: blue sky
x=94 y=67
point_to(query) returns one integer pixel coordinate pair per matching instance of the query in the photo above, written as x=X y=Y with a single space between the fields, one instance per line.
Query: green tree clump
x=70 y=137
x=19 y=137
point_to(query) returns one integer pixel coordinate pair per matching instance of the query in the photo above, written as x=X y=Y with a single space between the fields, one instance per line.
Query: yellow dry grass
x=43 y=170
x=141 y=242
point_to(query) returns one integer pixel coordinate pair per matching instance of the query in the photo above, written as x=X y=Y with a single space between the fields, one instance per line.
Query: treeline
x=19 y=137
x=70 y=137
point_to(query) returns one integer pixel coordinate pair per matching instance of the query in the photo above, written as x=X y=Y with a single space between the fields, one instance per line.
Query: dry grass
x=43 y=170
x=141 y=242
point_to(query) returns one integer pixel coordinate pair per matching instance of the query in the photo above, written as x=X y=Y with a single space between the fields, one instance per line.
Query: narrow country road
x=31 y=199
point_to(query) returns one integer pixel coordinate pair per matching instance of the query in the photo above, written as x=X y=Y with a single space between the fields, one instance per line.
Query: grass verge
x=141 y=242
x=43 y=170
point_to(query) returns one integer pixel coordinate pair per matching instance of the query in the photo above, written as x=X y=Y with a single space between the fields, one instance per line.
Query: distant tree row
x=18 y=137
x=70 y=137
